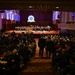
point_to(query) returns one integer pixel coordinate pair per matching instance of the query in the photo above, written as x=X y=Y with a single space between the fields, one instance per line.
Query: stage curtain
x=42 y=17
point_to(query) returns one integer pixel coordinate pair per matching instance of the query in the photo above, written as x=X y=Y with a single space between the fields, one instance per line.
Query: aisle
x=38 y=65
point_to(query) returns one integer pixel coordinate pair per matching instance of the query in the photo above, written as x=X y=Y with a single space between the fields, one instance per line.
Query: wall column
x=62 y=16
x=0 y=22
x=66 y=16
x=70 y=18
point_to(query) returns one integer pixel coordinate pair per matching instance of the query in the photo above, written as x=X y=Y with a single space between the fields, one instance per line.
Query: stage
x=34 y=32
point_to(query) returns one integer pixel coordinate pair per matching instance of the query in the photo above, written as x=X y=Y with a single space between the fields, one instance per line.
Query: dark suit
x=49 y=47
x=70 y=69
x=41 y=44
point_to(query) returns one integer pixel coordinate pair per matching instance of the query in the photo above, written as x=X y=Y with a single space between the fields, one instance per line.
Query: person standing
x=49 y=47
x=41 y=44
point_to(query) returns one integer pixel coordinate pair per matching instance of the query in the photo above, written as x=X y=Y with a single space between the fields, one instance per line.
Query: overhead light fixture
x=30 y=6
x=57 y=7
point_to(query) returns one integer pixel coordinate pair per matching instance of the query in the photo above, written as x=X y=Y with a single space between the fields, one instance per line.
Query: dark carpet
x=38 y=65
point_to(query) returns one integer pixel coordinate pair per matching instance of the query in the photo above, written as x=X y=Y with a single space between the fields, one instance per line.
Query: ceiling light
x=30 y=6
x=57 y=7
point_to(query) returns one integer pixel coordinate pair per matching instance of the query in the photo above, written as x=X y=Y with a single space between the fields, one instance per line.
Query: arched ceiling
x=50 y=5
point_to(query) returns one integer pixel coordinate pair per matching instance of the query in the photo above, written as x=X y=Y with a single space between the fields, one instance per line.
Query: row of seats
x=62 y=48
x=47 y=28
x=16 y=51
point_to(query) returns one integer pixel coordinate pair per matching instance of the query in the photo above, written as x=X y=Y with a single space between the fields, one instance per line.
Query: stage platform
x=34 y=32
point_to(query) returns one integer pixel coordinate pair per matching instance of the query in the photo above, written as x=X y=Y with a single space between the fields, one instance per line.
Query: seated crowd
x=62 y=49
x=34 y=28
x=16 y=50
